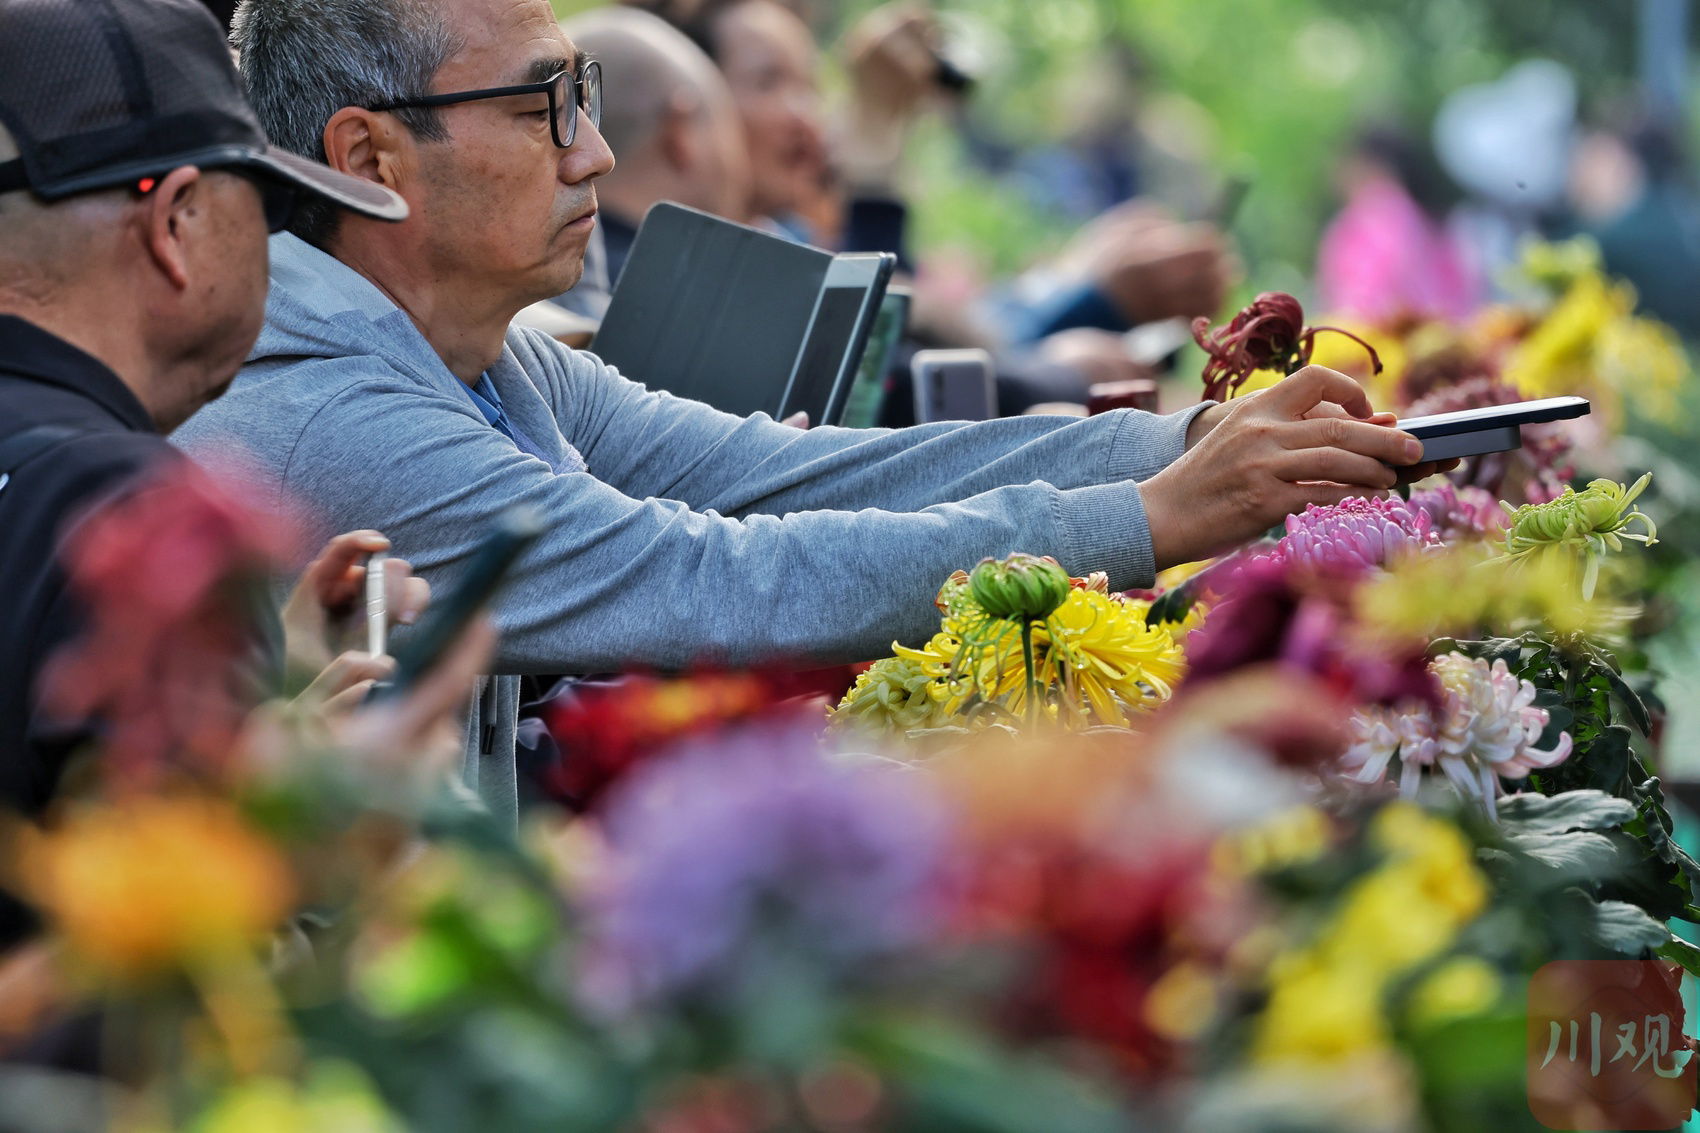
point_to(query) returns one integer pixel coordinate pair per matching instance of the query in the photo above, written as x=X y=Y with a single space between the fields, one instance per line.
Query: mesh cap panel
x=94 y=90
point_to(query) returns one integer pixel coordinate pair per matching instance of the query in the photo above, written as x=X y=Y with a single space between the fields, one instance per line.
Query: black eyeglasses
x=567 y=96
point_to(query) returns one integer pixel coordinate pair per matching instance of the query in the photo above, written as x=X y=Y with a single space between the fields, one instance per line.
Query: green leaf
x=1569 y=858
x=1680 y=951
x=1573 y=810
x=1606 y=760
x=1625 y=929
x=956 y=1080
x=1628 y=697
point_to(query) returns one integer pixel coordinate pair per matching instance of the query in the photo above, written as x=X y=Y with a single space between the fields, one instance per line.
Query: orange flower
x=156 y=884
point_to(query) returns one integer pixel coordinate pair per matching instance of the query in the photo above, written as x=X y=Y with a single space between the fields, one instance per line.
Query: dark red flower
x=1269 y=334
x=172 y=576
x=603 y=730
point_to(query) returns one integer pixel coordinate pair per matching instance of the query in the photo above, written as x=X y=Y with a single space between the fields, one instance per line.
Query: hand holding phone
x=443 y=625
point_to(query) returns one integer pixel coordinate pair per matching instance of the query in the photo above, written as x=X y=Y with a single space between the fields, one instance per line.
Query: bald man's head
x=46 y=248
x=667 y=115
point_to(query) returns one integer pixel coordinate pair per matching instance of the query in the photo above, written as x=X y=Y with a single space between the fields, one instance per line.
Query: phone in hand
x=1493 y=428
x=443 y=624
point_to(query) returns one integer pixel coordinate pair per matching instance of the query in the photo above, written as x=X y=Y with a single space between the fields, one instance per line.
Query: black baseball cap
x=104 y=93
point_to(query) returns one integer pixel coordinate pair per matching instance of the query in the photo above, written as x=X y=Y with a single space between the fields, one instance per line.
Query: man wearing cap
x=136 y=193
x=389 y=390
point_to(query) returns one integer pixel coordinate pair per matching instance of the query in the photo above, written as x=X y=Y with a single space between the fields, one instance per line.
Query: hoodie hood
x=320 y=308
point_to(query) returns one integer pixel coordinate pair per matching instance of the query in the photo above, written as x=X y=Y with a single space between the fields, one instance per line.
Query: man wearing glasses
x=388 y=391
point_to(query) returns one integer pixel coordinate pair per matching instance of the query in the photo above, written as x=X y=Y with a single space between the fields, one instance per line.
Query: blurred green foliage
x=1270 y=88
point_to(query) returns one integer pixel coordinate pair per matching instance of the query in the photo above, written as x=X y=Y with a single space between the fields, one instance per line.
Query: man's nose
x=589 y=156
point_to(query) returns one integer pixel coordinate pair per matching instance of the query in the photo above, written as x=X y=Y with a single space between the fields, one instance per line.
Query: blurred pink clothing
x=1382 y=257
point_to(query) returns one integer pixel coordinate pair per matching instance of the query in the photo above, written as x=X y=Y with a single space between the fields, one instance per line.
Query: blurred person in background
x=1135 y=265
x=1388 y=254
x=389 y=390
x=1633 y=190
x=132 y=284
x=670 y=122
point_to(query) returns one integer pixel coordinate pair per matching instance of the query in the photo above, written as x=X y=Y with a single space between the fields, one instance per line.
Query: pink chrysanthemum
x=1485 y=730
x=1461 y=513
x=1355 y=534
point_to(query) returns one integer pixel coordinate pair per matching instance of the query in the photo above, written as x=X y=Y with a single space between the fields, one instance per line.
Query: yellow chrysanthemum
x=1465 y=590
x=893 y=697
x=1107 y=658
x=1325 y=1001
x=1095 y=660
x=155 y=885
x=1591 y=341
x=1461 y=987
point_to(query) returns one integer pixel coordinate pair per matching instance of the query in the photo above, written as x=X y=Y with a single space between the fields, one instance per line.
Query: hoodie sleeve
x=619 y=581
x=654 y=444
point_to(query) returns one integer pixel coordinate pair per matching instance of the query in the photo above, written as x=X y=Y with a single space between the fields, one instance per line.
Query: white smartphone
x=954 y=385
x=1494 y=428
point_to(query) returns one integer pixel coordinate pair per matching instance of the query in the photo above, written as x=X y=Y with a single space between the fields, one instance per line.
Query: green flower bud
x=1021 y=587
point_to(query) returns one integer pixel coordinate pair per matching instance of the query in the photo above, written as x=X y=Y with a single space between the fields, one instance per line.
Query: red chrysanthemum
x=1267 y=335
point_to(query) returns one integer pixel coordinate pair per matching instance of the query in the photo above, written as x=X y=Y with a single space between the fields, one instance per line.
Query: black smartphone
x=1494 y=428
x=444 y=622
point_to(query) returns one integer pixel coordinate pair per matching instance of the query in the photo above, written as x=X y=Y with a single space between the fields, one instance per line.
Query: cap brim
x=364 y=197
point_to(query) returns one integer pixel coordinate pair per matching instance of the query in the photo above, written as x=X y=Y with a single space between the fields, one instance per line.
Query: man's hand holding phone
x=326 y=631
x=1311 y=439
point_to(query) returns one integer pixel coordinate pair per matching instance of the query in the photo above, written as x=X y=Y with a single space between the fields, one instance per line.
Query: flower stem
x=1032 y=678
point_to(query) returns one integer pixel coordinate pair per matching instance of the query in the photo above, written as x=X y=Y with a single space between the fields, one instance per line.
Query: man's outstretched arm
x=649 y=444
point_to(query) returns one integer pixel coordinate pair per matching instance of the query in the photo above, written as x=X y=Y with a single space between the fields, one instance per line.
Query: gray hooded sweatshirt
x=683 y=536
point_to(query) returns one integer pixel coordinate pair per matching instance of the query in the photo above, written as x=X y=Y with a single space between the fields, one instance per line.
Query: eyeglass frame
x=581 y=99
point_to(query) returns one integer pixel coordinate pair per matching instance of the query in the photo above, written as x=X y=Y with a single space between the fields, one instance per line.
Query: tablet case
x=713 y=311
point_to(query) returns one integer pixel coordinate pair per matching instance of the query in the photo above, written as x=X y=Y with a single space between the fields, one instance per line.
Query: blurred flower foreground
x=1274 y=846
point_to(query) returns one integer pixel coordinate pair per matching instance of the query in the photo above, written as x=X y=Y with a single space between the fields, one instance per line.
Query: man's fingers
x=1362 y=473
x=1299 y=393
x=406 y=594
x=335 y=577
x=1416 y=472
x=344 y=673
x=1378 y=441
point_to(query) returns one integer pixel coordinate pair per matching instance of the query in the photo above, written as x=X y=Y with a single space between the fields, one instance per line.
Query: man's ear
x=179 y=199
x=368 y=144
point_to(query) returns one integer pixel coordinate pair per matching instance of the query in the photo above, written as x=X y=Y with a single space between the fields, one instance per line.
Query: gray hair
x=304 y=60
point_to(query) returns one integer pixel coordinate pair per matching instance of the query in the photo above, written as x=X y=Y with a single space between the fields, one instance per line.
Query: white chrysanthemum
x=1486 y=729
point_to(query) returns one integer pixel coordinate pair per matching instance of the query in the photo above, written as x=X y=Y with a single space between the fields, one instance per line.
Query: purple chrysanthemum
x=758 y=838
x=1354 y=534
x=1461 y=513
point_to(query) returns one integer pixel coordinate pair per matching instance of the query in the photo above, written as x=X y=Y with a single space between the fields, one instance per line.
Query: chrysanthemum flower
x=892 y=697
x=1355 y=534
x=1460 y=513
x=1486 y=729
x=157 y=884
x=1587 y=523
x=1095 y=659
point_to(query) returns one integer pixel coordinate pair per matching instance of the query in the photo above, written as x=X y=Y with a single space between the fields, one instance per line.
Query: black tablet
x=1493 y=428
x=713 y=311
x=740 y=319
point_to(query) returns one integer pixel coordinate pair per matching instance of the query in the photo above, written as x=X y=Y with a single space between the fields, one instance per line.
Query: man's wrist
x=1200 y=426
